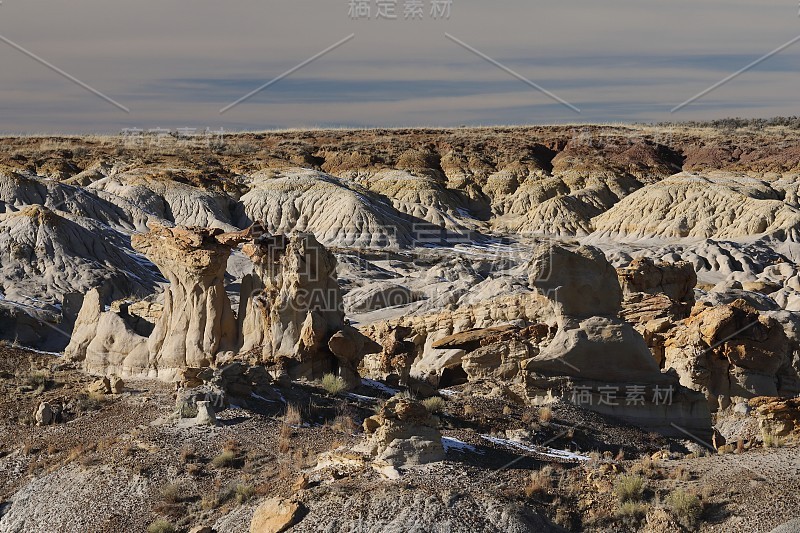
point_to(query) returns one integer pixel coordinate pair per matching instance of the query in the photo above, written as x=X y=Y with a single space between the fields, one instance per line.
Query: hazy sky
x=176 y=63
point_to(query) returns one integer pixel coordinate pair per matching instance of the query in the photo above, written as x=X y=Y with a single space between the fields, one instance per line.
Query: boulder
x=675 y=280
x=116 y=384
x=205 y=414
x=403 y=433
x=393 y=362
x=275 y=515
x=44 y=415
x=100 y=386
x=580 y=283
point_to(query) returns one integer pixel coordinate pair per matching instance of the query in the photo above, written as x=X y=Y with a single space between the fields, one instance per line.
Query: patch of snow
x=540 y=450
x=379 y=386
x=448 y=392
x=451 y=443
x=259 y=397
x=57 y=354
x=360 y=397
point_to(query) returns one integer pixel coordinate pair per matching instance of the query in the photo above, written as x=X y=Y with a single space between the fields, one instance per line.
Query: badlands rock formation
x=732 y=353
x=290 y=311
x=549 y=291
x=402 y=434
x=711 y=205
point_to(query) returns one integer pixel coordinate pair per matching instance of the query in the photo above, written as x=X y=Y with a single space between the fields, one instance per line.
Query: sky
x=178 y=63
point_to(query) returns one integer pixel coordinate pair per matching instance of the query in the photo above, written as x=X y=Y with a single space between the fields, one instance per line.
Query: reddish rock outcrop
x=729 y=351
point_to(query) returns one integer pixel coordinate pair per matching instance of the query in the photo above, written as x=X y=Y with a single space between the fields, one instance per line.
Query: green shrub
x=629 y=488
x=332 y=384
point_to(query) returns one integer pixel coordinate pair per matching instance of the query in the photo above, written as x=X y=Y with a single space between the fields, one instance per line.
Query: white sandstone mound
x=564 y=206
x=18 y=190
x=710 y=205
x=425 y=199
x=338 y=212
x=46 y=254
x=170 y=201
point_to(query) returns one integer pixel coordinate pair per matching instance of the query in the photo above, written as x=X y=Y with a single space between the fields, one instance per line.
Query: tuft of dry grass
x=226 y=459
x=173 y=493
x=631 y=510
x=333 y=385
x=188 y=454
x=545 y=415
x=647 y=467
x=293 y=415
x=36 y=379
x=161 y=526
x=244 y=493
x=685 y=506
x=629 y=488
x=434 y=404
x=681 y=474
x=771 y=439
x=285 y=438
x=541 y=481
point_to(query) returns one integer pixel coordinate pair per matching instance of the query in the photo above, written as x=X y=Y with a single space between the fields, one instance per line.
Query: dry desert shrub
x=647 y=467
x=293 y=416
x=545 y=415
x=680 y=474
x=685 y=506
x=541 y=481
x=244 y=493
x=771 y=439
x=434 y=404
x=226 y=459
x=333 y=385
x=631 y=510
x=161 y=526
x=285 y=438
x=188 y=454
x=629 y=488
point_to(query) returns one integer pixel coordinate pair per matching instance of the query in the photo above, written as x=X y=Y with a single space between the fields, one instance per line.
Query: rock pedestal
x=197 y=320
x=292 y=312
x=596 y=359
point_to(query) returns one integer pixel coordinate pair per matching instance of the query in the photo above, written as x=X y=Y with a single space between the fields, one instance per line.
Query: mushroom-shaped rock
x=197 y=320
